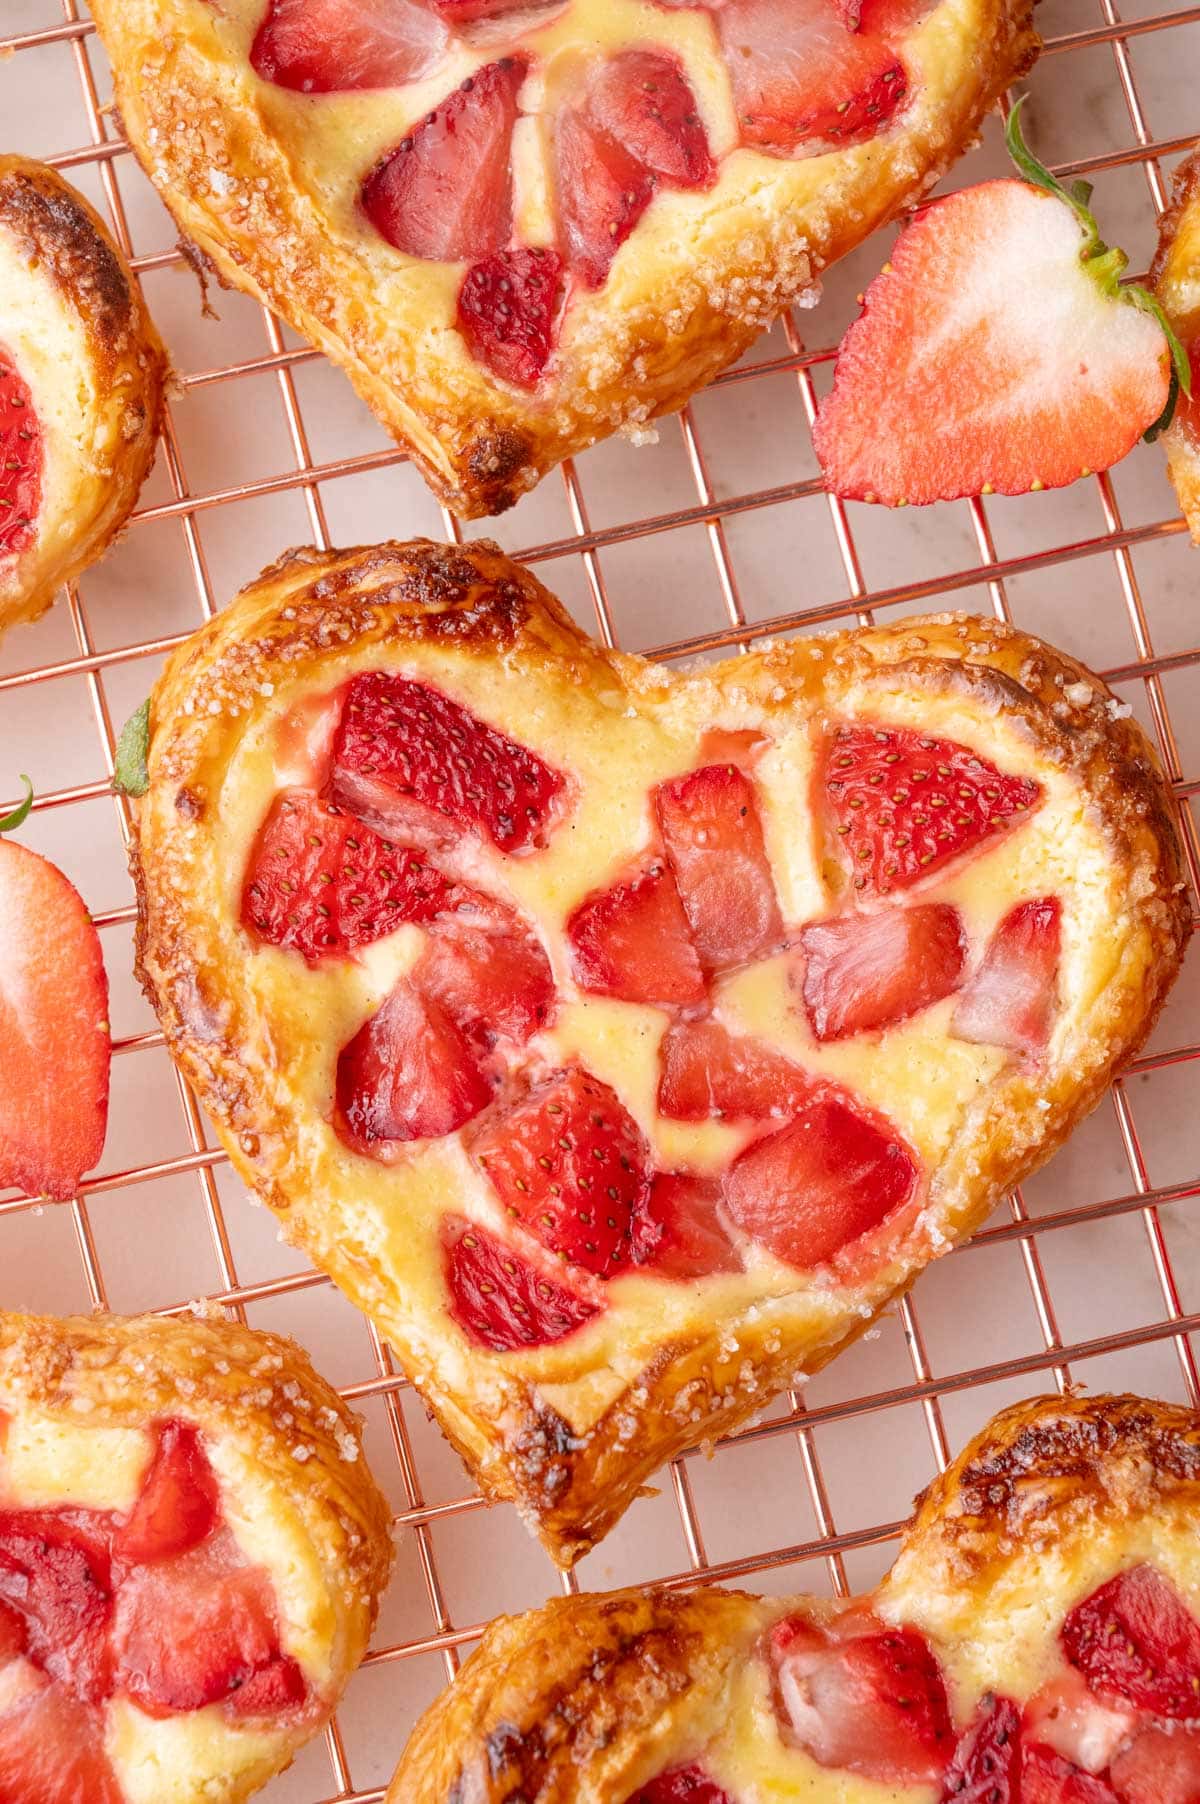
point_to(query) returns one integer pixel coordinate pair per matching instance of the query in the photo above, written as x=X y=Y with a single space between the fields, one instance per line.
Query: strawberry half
x=633 y=941
x=862 y=973
x=55 y=1048
x=685 y=1785
x=487 y=970
x=996 y=351
x=1135 y=1640
x=329 y=46
x=323 y=884
x=55 y=1574
x=602 y=193
x=801 y=79
x=413 y=763
x=500 y=1300
x=52 y=1751
x=508 y=312
x=641 y=99
x=714 y=840
x=1011 y=999
x=22 y=457
x=1161 y=1766
x=903 y=804
x=709 y=1073
x=409 y=1073
x=986 y=1768
x=445 y=191
x=570 y=1164
x=679 y=1232
x=178 y=1505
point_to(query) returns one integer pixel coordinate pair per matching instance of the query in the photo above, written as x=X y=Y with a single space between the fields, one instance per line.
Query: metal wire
x=1030 y=1231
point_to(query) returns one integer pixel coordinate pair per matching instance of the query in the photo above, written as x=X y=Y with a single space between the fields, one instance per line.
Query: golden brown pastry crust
x=1176 y=277
x=225 y=152
x=590 y=1697
x=534 y=1426
x=72 y=315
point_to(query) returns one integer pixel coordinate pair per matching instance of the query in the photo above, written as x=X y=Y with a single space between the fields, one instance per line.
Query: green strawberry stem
x=20 y=813
x=1106 y=263
x=131 y=776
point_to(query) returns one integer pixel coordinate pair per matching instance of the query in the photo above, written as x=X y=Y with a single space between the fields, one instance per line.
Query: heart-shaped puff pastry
x=192 y=1553
x=519 y=227
x=1036 y=1642
x=620 y=1041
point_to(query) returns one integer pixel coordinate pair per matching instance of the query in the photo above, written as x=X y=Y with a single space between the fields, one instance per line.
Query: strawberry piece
x=500 y=1300
x=602 y=193
x=708 y=1072
x=508 y=311
x=1067 y=1717
x=488 y=971
x=22 y=458
x=986 y=1768
x=1162 y=1766
x=52 y=1752
x=570 y=1164
x=55 y=1574
x=862 y=1696
x=800 y=79
x=331 y=46
x=1011 y=999
x=987 y=322
x=178 y=1504
x=323 y=884
x=684 y=1785
x=409 y=1073
x=862 y=973
x=633 y=941
x=714 y=839
x=904 y=804
x=467 y=12
x=1046 y=1778
x=13 y=1635
x=813 y=1190
x=445 y=191
x=641 y=99
x=410 y=761
x=679 y=1232
x=1135 y=1640
x=279 y=1686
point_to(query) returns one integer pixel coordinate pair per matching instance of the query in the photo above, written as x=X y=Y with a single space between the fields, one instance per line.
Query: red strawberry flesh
x=602 y=193
x=55 y=1573
x=488 y=971
x=330 y=46
x=21 y=460
x=1161 y=1766
x=678 y=1233
x=52 y=1752
x=714 y=840
x=1046 y=1778
x=862 y=973
x=683 y=1785
x=641 y=99
x=709 y=1073
x=1011 y=999
x=633 y=941
x=986 y=1768
x=508 y=311
x=178 y=1504
x=802 y=80
x=1135 y=1640
x=278 y=1686
x=410 y=1073
x=500 y=1300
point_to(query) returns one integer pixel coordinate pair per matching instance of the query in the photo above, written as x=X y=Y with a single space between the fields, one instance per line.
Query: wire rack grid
x=1091 y=1276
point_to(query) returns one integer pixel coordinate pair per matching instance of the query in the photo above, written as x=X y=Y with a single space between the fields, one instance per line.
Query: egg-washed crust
x=1175 y=275
x=58 y=239
x=590 y=1697
x=478 y=606
x=202 y=126
x=271 y=1425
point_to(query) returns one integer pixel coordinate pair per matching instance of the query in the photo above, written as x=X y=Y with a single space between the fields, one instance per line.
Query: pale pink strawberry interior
x=804 y=76
x=158 y=1606
x=21 y=460
x=407 y=779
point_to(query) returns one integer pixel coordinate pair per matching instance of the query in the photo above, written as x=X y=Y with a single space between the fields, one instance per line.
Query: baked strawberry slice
x=413 y=763
x=903 y=804
x=714 y=840
x=986 y=1768
x=602 y=190
x=500 y=1300
x=863 y=1697
x=55 y=1574
x=802 y=80
x=1160 y=1766
x=409 y=1073
x=52 y=1752
x=272 y=1689
x=178 y=1504
x=569 y=1163
x=708 y=1073
x=633 y=941
x=323 y=884
x=1065 y=1715
x=445 y=191
x=22 y=457
x=678 y=1231
x=55 y=1049
x=683 y=1785
x=642 y=100
x=861 y=973
x=469 y=12
x=1134 y=1640
x=330 y=46
x=996 y=351
x=508 y=312
x=1012 y=997
x=813 y=1191
x=1046 y=1778
x=487 y=970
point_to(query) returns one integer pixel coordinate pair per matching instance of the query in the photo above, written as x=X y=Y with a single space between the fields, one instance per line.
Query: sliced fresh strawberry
x=328 y=46
x=633 y=941
x=813 y=1190
x=408 y=1074
x=800 y=79
x=55 y=1048
x=1161 y=1766
x=487 y=970
x=904 y=804
x=641 y=99
x=602 y=193
x=865 y=972
x=864 y=1697
x=1067 y=1716
x=1135 y=1640
x=500 y=1300
x=323 y=883
x=678 y=1231
x=569 y=1162
x=410 y=761
x=179 y=1500
x=508 y=311
x=52 y=1752
x=707 y=1073
x=21 y=460
x=1011 y=999
x=683 y=1785
x=986 y=1768
x=55 y=1573
x=279 y=1686
x=989 y=356
x=445 y=191
x=1046 y=1778
x=714 y=840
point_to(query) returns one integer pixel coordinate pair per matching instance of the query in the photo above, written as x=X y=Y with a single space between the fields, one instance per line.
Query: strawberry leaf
x=130 y=774
x=20 y=814
x=1034 y=170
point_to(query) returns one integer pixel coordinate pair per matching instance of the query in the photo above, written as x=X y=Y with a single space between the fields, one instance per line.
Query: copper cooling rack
x=713 y=537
